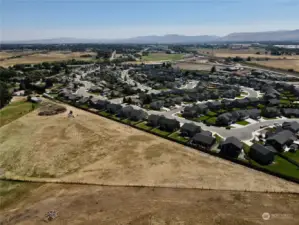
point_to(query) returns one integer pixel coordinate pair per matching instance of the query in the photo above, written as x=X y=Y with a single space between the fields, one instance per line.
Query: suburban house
x=261 y=154
x=254 y=113
x=253 y=101
x=126 y=111
x=190 y=112
x=202 y=108
x=190 y=129
x=214 y=105
x=113 y=108
x=291 y=126
x=224 y=119
x=203 y=141
x=83 y=100
x=271 y=112
x=290 y=112
x=281 y=140
x=273 y=102
x=243 y=114
x=153 y=120
x=157 y=105
x=241 y=103
x=206 y=132
x=137 y=115
x=231 y=147
x=169 y=125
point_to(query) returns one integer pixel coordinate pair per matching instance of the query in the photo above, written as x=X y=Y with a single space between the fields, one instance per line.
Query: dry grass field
x=95 y=150
x=280 y=64
x=89 y=205
x=193 y=66
x=7 y=54
x=44 y=57
x=243 y=53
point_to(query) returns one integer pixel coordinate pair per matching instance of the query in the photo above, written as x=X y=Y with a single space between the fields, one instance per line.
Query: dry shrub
x=49 y=109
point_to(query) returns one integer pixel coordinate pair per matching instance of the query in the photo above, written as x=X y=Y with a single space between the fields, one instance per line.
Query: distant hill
x=176 y=39
x=263 y=36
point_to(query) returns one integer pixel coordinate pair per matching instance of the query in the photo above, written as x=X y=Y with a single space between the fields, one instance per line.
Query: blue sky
x=36 y=19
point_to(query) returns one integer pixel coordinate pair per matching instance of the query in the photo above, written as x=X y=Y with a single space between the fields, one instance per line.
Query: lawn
x=218 y=138
x=201 y=119
x=160 y=132
x=244 y=123
x=211 y=121
x=162 y=56
x=292 y=155
x=177 y=136
x=15 y=110
x=210 y=113
x=144 y=126
x=283 y=101
x=104 y=113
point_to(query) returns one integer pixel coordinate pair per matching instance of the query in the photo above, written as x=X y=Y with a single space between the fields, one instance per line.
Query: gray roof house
x=153 y=120
x=169 y=124
x=138 y=114
x=291 y=126
x=231 y=147
x=261 y=154
x=280 y=140
x=126 y=111
x=224 y=119
x=113 y=108
x=190 y=129
x=157 y=105
x=203 y=141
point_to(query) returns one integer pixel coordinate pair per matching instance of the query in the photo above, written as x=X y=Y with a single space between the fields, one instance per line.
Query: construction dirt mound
x=49 y=109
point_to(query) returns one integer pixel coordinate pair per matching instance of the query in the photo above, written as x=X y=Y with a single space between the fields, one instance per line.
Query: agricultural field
x=45 y=57
x=280 y=64
x=162 y=57
x=8 y=54
x=243 y=53
x=94 y=150
x=194 y=66
x=88 y=205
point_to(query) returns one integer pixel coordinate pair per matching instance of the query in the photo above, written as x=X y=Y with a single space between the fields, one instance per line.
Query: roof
x=190 y=127
x=233 y=140
x=209 y=140
x=281 y=137
x=206 y=133
x=260 y=148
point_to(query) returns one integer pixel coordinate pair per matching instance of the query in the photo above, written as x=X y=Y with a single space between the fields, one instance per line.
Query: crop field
x=92 y=149
x=280 y=64
x=44 y=57
x=89 y=205
x=194 y=66
x=243 y=53
x=162 y=57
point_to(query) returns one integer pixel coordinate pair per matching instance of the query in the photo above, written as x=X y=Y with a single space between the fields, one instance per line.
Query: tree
x=129 y=101
x=5 y=96
x=124 y=100
x=213 y=69
x=249 y=58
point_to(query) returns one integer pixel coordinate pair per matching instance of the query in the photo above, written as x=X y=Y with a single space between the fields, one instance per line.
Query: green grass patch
x=115 y=117
x=104 y=113
x=283 y=101
x=293 y=98
x=261 y=106
x=201 y=119
x=211 y=120
x=178 y=137
x=235 y=109
x=243 y=123
x=15 y=110
x=292 y=155
x=162 y=56
x=218 y=138
x=144 y=126
x=211 y=113
x=160 y=132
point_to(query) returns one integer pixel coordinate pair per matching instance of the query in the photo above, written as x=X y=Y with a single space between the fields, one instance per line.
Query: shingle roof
x=233 y=140
x=282 y=137
x=203 y=139
x=260 y=148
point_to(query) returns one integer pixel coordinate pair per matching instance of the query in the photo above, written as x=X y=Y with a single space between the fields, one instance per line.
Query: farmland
x=95 y=150
x=40 y=57
x=280 y=64
x=162 y=57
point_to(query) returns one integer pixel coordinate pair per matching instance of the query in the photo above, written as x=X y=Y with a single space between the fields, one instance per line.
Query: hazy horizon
x=119 y=19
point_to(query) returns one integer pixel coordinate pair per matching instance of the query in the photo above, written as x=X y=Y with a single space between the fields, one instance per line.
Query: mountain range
x=292 y=35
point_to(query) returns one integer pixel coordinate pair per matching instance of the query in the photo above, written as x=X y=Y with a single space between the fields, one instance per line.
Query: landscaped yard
x=161 y=132
x=15 y=110
x=177 y=136
x=292 y=155
x=218 y=138
x=201 y=119
x=244 y=123
x=211 y=121
x=144 y=126
x=162 y=56
x=210 y=113
x=104 y=113
x=284 y=101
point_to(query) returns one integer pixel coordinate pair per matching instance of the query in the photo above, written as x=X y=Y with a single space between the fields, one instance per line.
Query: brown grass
x=243 y=53
x=92 y=149
x=47 y=57
x=280 y=64
x=193 y=66
x=89 y=205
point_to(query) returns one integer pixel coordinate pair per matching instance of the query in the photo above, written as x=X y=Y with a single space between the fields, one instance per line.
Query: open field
x=162 y=56
x=8 y=54
x=193 y=66
x=280 y=64
x=89 y=205
x=44 y=57
x=243 y=53
x=92 y=149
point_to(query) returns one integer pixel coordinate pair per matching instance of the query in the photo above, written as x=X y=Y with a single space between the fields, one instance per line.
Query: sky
x=115 y=19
